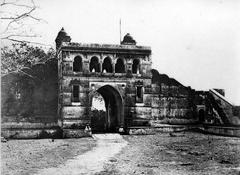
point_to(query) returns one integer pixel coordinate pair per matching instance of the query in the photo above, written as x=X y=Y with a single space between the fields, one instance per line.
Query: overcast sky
x=197 y=42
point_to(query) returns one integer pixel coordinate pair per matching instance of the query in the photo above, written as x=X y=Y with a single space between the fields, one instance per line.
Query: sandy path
x=92 y=161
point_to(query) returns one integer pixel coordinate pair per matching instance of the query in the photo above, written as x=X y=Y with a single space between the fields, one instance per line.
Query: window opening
x=119 y=67
x=107 y=65
x=94 y=65
x=75 y=93
x=135 y=66
x=139 y=94
x=77 y=64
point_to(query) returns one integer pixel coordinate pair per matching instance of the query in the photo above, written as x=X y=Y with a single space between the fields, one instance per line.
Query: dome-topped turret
x=128 y=40
x=62 y=37
x=62 y=31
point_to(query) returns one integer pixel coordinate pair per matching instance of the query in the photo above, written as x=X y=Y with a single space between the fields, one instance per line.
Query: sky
x=197 y=42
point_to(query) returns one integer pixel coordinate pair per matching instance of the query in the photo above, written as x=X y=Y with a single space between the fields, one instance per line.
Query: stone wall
x=172 y=102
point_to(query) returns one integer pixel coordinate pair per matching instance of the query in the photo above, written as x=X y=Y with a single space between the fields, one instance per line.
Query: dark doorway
x=77 y=64
x=201 y=115
x=75 y=94
x=112 y=118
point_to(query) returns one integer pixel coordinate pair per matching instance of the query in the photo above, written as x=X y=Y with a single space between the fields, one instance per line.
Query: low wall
x=140 y=131
x=159 y=128
x=26 y=130
x=174 y=128
x=75 y=133
x=220 y=130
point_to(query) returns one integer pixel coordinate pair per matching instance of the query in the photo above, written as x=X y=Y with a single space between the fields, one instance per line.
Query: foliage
x=20 y=55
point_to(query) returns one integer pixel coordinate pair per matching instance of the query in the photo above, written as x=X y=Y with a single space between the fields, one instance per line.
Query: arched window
x=135 y=66
x=119 y=67
x=77 y=64
x=94 y=65
x=107 y=65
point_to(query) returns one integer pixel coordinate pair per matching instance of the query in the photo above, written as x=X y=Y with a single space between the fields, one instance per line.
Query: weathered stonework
x=118 y=84
x=171 y=102
x=55 y=98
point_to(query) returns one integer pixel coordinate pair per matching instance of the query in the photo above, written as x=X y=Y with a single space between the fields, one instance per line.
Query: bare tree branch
x=16 y=35
x=25 y=41
x=16 y=21
x=14 y=4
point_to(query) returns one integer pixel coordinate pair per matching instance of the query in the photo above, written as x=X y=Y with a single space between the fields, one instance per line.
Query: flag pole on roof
x=120 y=30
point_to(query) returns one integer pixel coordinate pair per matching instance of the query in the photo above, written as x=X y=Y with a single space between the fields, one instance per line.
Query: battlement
x=106 y=47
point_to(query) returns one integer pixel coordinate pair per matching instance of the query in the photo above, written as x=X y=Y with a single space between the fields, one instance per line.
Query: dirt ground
x=20 y=157
x=181 y=153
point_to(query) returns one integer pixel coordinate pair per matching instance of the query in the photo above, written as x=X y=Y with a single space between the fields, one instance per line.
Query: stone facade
x=120 y=73
x=54 y=99
x=135 y=95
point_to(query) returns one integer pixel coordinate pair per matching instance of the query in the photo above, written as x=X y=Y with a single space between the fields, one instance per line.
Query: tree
x=20 y=55
x=16 y=19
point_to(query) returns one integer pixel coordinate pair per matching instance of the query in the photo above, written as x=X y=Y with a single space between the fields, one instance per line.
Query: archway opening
x=98 y=113
x=119 y=67
x=135 y=66
x=94 y=65
x=107 y=65
x=109 y=117
x=77 y=64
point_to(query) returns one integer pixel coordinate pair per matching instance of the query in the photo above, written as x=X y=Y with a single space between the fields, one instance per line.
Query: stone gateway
x=121 y=74
x=136 y=98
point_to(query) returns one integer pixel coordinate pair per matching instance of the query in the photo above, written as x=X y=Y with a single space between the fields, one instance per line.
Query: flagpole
x=120 y=30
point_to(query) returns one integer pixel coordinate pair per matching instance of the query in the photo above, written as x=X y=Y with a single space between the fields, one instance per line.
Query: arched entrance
x=113 y=118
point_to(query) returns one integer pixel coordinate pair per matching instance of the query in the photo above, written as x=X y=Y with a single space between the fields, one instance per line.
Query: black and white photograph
x=120 y=87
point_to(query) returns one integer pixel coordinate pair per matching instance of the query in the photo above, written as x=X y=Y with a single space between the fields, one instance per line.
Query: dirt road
x=92 y=161
x=61 y=157
x=178 y=154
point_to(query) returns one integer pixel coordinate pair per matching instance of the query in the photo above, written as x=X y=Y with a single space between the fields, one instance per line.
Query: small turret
x=62 y=37
x=128 y=40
